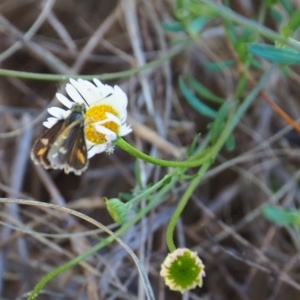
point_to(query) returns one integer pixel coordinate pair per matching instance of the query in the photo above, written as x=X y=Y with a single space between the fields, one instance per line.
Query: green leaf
x=125 y=196
x=167 y=180
x=279 y=55
x=247 y=35
x=230 y=143
x=230 y=30
x=216 y=67
x=279 y=215
x=191 y=149
x=197 y=24
x=256 y=63
x=294 y=21
x=242 y=84
x=180 y=4
x=276 y=15
x=200 y=107
x=217 y=126
x=174 y=27
x=270 y=3
x=287 y=5
x=203 y=91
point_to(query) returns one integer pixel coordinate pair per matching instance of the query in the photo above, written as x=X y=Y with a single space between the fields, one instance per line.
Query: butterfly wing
x=78 y=158
x=69 y=150
x=40 y=149
x=63 y=145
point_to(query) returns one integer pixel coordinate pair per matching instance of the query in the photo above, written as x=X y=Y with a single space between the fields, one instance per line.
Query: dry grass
x=246 y=257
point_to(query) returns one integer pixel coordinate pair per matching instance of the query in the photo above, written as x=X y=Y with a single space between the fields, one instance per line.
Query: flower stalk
x=191 y=163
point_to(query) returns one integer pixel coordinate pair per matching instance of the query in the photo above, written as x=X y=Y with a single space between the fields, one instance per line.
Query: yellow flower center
x=95 y=114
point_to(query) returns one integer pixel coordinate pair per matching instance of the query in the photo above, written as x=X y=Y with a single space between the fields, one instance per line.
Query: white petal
x=104 y=89
x=113 y=118
x=98 y=83
x=101 y=122
x=64 y=100
x=125 y=129
x=121 y=97
x=123 y=119
x=109 y=134
x=119 y=102
x=96 y=149
x=85 y=91
x=72 y=92
x=103 y=130
x=50 y=122
x=57 y=112
x=47 y=124
x=89 y=92
x=123 y=115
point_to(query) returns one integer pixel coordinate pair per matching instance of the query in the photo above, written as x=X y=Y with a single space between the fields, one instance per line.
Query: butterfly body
x=63 y=145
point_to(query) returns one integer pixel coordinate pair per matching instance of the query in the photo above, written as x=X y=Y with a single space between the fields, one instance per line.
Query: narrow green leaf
x=174 y=27
x=276 y=15
x=230 y=143
x=279 y=55
x=200 y=107
x=217 y=125
x=287 y=5
x=180 y=4
x=230 y=30
x=279 y=215
x=191 y=149
x=125 y=196
x=294 y=21
x=167 y=180
x=270 y=3
x=256 y=63
x=216 y=67
x=203 y=91
x=247 y=35
x=242 y=84
x=197 y=24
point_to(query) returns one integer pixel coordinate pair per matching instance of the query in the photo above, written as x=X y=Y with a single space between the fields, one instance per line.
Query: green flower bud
x=117 y=210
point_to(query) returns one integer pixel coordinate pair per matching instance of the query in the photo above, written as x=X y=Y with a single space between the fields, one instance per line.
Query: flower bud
x=117 y=210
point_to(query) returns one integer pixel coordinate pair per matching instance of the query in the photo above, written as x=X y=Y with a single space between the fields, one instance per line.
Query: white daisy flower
x=105 y=116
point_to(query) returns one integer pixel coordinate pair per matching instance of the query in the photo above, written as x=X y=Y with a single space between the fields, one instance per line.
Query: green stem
x=110 y=76
x=144 y=195
x=191 y=163
x=228 y=129
x=186 y=196
x=158 y=197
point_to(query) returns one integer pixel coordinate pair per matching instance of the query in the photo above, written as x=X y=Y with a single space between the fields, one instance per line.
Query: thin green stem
x=110 y=76
x=180 y=207
x=191 y=163
x=144 y=195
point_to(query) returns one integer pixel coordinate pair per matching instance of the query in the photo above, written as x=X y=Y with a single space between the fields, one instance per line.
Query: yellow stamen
x=95 y=114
